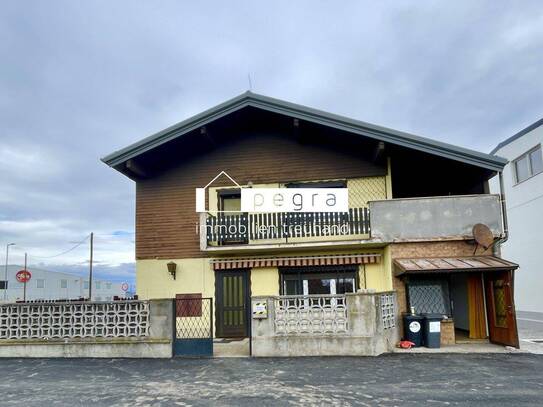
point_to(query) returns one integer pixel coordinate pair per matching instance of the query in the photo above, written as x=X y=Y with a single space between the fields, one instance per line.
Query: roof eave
x=407 y=140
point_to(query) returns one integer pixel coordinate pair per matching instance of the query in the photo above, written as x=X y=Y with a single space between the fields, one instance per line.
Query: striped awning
x=324 y=260
x=451 y=264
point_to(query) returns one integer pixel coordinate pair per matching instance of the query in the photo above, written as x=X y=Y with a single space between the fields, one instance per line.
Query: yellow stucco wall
x=197 y=275
x=193 y=276
x=264 y=281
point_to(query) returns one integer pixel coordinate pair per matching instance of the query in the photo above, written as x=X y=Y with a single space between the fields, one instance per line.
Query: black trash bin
x=432 y=330
x=413 y=328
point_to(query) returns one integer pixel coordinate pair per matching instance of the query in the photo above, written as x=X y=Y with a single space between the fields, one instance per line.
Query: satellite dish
x=483 y=235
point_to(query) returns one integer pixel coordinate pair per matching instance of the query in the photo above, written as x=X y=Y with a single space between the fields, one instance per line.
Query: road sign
x=124 y=287
x=23 y=276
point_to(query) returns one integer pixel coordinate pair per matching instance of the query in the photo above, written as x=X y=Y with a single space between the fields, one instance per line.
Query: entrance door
x=232 y=297
x=502 y=323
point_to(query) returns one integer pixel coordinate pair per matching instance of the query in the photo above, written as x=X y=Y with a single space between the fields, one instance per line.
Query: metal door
x=193 y=326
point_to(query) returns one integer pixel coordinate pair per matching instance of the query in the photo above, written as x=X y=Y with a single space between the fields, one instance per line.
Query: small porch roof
x=451 y=264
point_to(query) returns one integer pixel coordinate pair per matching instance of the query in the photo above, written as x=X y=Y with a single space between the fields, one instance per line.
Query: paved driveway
x=392 y=380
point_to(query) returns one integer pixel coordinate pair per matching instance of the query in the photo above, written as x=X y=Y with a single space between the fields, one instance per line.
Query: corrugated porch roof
x=451 y=264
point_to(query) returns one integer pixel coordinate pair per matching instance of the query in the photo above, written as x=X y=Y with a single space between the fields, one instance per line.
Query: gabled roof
x=249 y=99
x=518 y=135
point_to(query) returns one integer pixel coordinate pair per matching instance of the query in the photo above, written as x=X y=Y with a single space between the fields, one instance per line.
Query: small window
x=3 y=284
x=429 y=295
x=108 y=286
x=86 y=284
x=40 y=283
x=230 y=200
x=528 y=165
x=63 y=283
x=98 y=285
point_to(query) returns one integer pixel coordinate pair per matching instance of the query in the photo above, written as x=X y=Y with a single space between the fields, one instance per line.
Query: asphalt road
x=530 y=325
x=392 y=380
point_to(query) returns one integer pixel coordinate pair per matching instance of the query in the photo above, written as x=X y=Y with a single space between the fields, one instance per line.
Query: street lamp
x=6 y=270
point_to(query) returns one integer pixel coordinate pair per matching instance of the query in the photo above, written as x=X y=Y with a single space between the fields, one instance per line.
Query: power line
x=64 y=252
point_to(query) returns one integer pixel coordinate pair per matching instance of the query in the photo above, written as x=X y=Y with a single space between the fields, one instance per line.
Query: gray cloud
x=79 y=80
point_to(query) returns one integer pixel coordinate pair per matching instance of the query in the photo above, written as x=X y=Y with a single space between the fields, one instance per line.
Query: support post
x=24 y=286
x=90 y=265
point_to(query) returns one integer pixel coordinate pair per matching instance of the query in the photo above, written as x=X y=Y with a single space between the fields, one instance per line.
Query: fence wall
x=87 y=329
x=356 y=324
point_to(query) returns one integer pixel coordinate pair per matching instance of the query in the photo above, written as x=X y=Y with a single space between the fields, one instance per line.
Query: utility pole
x=24 y=287
x=6 y=271
x=90 y=265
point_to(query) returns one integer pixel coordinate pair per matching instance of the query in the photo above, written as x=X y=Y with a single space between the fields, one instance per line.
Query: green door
x=232 y=297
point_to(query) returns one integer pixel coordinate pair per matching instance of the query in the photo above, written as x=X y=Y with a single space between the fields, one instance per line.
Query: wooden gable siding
x=166 y=219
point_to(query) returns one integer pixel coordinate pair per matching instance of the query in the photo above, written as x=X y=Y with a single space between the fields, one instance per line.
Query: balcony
x=434 y=218
x=385 y=221
x=228 y=231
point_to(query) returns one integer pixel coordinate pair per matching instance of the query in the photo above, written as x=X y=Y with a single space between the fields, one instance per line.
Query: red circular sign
x=23 y=276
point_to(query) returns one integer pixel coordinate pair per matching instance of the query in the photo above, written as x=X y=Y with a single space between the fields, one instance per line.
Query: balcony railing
x=245 y=228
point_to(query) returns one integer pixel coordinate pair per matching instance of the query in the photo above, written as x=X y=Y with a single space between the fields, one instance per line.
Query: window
x=98 y=285
x=108 y=286
x=528 y=165
x=63 y=283
x=97 y=298
x=86 y=285
x=320 y=280
x=230 y=200
x=40 y=283
x=3 y=284
x=321 y=184
x=429 y=295
x=108 y=298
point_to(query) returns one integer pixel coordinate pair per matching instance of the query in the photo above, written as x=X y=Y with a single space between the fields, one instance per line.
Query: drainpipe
x=504 y=211
x=504 y=218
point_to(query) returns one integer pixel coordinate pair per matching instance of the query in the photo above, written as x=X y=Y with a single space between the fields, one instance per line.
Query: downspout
x=505 y=236
x=504 y=211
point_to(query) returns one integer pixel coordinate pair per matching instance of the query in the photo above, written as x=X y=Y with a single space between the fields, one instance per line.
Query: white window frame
x=38 y=281
x=65 y=281
x=530 y=170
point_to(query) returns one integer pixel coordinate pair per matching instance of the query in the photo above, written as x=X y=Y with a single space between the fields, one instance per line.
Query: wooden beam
x=379 y=150
x=136 y=169
x=204 y=132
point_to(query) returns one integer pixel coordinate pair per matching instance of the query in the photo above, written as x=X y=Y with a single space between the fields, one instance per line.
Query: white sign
x=434 y=326
x=269 y=200
x=414 y=326
x=260 y=309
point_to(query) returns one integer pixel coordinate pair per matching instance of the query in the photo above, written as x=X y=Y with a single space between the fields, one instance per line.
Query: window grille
x=429 y=295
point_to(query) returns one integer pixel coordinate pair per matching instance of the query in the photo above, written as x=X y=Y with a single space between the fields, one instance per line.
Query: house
x=405 y=242
x=53 y=285
x=523 y=187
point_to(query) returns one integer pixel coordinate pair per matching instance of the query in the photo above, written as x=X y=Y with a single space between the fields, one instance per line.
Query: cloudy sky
x=79 y=80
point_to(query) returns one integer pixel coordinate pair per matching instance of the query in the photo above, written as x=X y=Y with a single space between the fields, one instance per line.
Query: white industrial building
x=51 y=285
x=523 y=187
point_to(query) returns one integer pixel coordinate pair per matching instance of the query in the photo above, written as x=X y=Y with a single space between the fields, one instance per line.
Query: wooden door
x=500 y=307
x=232 y=298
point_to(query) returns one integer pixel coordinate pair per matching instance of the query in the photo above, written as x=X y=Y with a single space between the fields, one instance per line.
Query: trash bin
x=432 y=330
x=413 y=328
